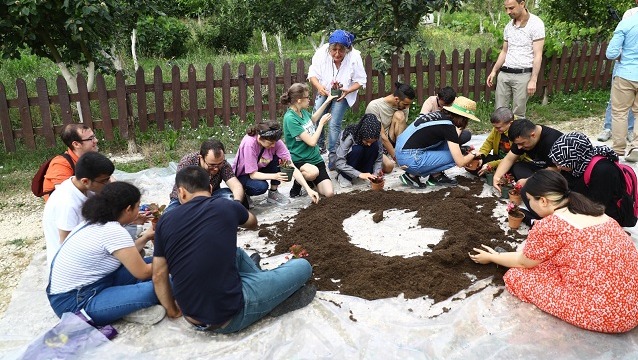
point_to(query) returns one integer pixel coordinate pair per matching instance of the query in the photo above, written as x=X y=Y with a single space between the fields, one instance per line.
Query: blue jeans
x=362 y=158
x=263 y=290
x=630 y=118
x=108 y=299
x=219 y=193
x=423 y=162
x=258 y=187
x=338 y=110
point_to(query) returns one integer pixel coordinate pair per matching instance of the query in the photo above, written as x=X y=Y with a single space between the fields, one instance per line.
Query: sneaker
x=441 y=180
x=297 y=300
x=275 y=197
x=256 y=258
x=632 y=156
x=630 y=136
x=410 y=181
x=147 y=316
x=295 y=190
x=605 y=135
x=323 y=151
x=343 y=182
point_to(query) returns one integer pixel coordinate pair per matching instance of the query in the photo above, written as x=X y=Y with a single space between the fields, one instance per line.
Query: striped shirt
x=86 y=256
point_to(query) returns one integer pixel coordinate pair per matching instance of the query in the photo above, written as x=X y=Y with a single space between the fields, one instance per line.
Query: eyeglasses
x=214 y=166
x=90 y=138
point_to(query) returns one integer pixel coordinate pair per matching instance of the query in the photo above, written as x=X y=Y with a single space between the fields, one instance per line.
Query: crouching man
x=215 y=284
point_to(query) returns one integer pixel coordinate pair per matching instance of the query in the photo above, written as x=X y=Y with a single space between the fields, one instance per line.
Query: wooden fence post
x=5 y=122
x=45 y=111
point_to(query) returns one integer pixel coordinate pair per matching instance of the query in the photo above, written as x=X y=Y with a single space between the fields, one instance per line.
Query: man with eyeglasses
x=212 y=158
x=63 y=211
x=79 y=140
x=392 y=111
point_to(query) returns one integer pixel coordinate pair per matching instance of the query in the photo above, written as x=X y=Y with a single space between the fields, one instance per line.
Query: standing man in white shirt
x=519 y=62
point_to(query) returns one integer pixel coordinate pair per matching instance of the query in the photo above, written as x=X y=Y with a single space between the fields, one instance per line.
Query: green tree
x=387 y=25
x=586 y=13
x=72 y=34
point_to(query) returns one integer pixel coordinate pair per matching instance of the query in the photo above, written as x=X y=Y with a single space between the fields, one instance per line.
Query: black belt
x=509 y=70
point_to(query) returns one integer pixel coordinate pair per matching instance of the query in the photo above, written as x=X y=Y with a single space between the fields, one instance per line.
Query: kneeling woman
x=301 y=134
x=99 y=269
x=577 y=263
x=257 y=161
x=432 y=143
x=358 y=151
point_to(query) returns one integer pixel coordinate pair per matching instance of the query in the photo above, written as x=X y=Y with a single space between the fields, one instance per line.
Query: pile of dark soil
x=439 y=274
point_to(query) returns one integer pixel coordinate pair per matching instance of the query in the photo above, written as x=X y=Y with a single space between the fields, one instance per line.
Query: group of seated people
x=216 y=286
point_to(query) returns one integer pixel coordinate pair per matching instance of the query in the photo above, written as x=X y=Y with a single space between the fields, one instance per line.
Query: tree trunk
x=264 y=43
x=72 y=80
x=130 y=141
x=134 y=48
x=281 y=50
x=438 y=18
x=312 y=42
x=481 y=28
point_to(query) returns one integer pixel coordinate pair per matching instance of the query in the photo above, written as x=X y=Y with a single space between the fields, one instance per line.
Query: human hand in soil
x=314 y=196
x=367 y=176
x=280 y=176
x=483 y=256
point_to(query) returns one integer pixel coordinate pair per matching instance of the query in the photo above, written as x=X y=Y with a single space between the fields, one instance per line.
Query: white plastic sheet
x=334 y=326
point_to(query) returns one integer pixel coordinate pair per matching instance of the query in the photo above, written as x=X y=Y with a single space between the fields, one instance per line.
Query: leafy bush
x=163 y=36
x=231 y=30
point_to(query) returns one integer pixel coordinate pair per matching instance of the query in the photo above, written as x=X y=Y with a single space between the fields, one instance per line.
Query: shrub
x=163 y=36
x=230 y=30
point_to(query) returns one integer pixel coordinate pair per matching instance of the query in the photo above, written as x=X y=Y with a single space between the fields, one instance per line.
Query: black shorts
x=323 y=172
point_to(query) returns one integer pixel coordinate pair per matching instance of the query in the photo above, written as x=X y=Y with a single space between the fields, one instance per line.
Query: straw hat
x=464 y=107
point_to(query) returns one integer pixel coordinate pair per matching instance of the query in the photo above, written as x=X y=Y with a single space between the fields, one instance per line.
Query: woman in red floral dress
x=577 y=264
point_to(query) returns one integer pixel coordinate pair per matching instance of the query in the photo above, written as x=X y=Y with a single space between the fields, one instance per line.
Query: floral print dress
x=588 y=277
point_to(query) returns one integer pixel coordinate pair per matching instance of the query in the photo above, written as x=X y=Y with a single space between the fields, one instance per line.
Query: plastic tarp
x=334 y=326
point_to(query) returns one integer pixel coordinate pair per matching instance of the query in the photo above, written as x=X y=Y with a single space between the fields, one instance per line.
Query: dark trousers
x=362 y=158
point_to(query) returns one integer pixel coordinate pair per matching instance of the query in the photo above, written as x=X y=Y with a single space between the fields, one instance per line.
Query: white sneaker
x=343 y=182
x=605 y=135
x=147 y=316
x=275 y=197
x=632 y=156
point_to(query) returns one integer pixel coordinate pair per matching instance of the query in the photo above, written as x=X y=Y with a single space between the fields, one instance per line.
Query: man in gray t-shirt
x=520 y=59
x=392 y=111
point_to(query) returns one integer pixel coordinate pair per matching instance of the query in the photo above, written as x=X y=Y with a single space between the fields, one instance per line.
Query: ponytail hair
x=268 y=130
x=553 y=186
x=294 y=93
x=403 y=91
x=108 y=205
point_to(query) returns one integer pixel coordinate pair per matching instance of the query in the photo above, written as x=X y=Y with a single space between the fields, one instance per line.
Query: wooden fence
x=27 y=118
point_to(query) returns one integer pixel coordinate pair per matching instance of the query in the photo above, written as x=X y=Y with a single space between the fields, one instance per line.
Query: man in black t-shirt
x=529 y=139
x=536 y=142
x=215 y=284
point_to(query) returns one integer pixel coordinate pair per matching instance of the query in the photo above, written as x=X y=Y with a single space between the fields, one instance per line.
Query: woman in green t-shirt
x=301 y=135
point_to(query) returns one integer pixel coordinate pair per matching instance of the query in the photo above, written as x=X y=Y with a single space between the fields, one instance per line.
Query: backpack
x=37 y=183
x=628 y=202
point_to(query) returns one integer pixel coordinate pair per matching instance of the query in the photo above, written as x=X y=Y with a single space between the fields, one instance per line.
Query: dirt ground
x=438 y=274
x=21 y=237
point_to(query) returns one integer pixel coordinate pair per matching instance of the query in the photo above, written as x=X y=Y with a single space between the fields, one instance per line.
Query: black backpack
x=37 y=183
